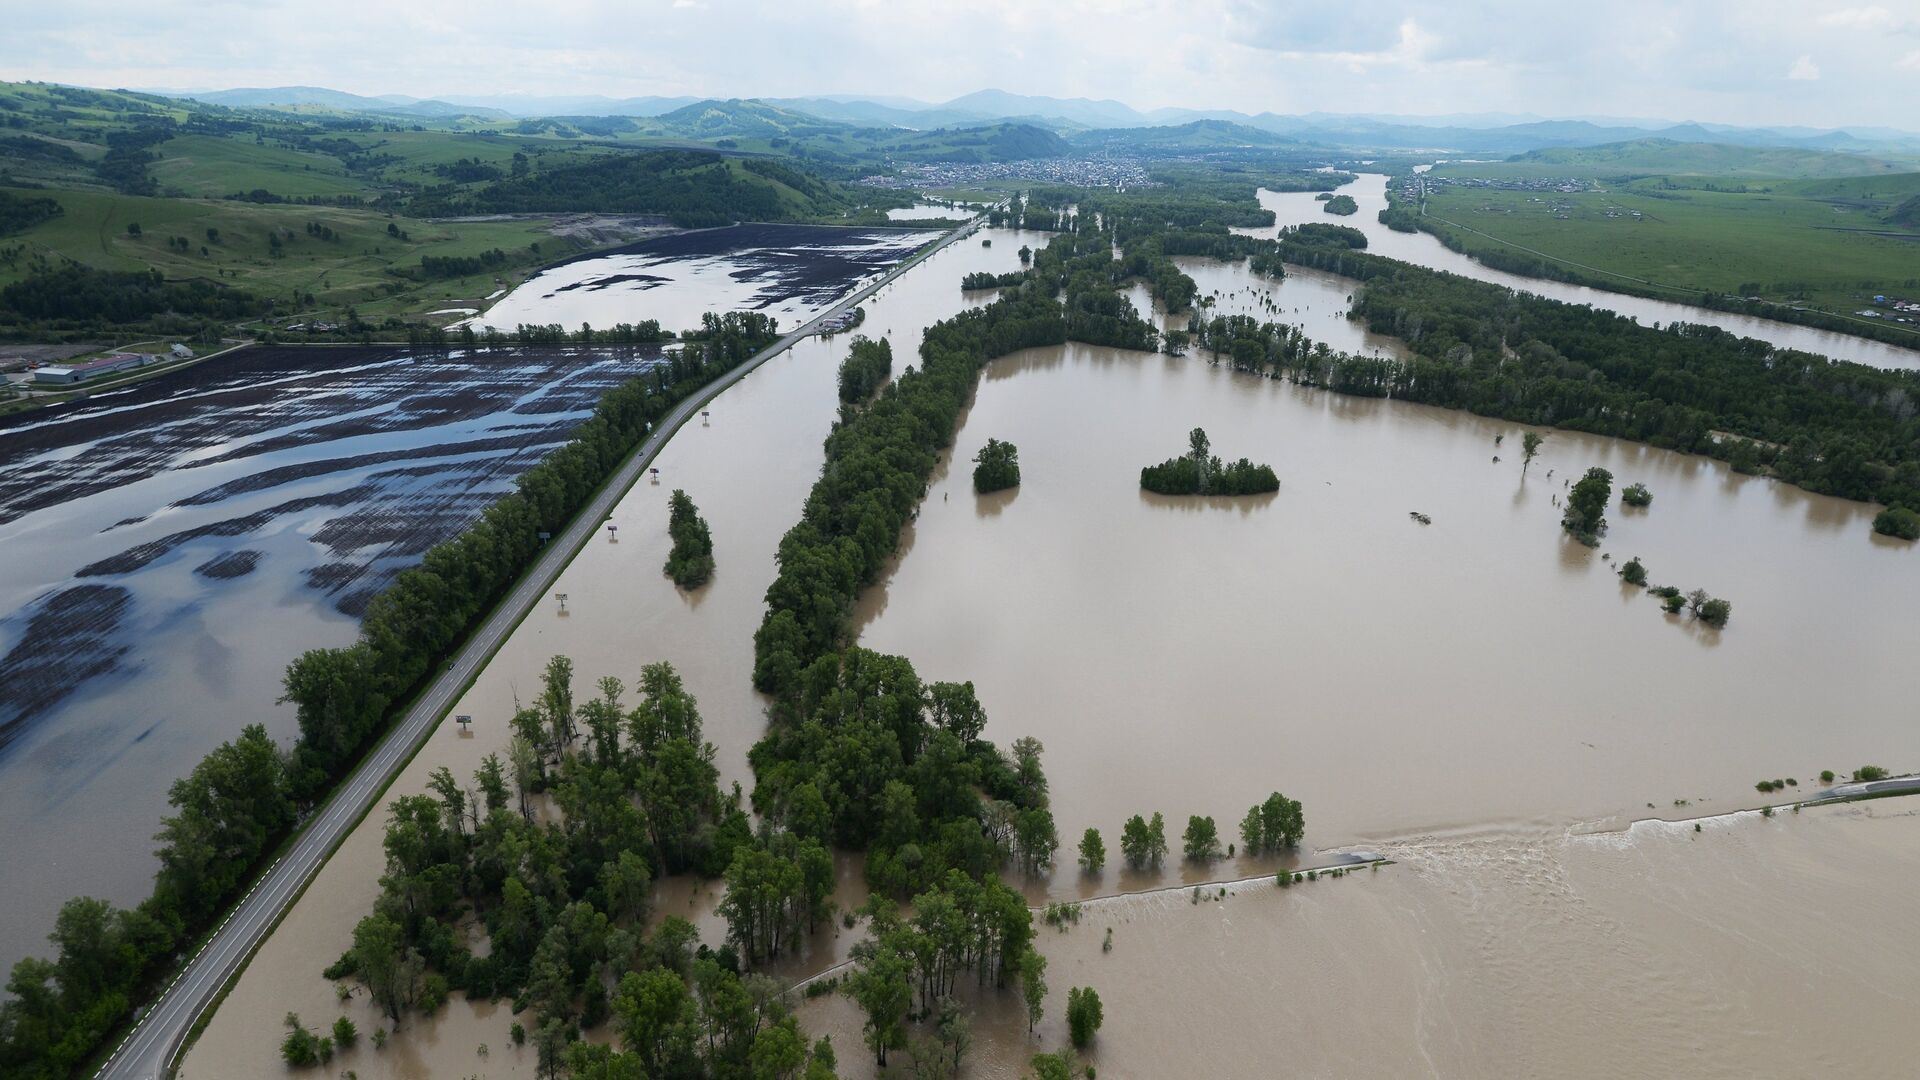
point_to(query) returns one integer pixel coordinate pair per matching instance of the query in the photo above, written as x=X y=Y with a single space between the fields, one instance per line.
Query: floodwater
x=927 y=211
x=1191 y=656
x=791 y=272
x=1471 y=698
x=170 y=547
x=748 y=467
x=1422 y=249
x=1755 y=947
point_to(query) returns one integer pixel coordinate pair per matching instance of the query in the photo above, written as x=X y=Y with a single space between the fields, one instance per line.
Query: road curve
x=148 y=1051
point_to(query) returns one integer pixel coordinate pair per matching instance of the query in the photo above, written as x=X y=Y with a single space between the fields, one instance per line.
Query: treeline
x=867 y=365
x=982 y=279
x=75 y=297
x=19 y=213
x=1198 y=472
x=124 y=166
x=455 y=266
x=1828 y=426
x=242 y=800
x=564 y=903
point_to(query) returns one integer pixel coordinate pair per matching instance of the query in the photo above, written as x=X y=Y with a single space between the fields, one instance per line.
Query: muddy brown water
x=1471 y=698
x=1755 y=947
x=1191 y=656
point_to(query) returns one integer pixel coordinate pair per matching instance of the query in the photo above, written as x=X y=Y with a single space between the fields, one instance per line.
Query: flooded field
x=1475 y=699
x=749 y=467
x=1754 y=947
x=170 y=547
x=791 y=272
x=1422 y=249
x=1191 y=656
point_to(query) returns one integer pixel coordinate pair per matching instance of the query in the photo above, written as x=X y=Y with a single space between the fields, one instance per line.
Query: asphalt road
x=147 y=1053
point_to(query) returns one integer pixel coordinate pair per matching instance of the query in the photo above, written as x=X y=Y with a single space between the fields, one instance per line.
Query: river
x=1422 y=249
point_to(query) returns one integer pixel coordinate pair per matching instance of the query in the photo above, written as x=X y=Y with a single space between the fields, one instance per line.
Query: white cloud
x=1804 y=70
x=1873 y=19
x=1708 y=60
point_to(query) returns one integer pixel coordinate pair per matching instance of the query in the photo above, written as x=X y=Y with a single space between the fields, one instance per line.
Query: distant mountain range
x=1468 y=133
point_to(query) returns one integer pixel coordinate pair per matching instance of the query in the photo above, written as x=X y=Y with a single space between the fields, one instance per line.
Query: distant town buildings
x=1109 y=172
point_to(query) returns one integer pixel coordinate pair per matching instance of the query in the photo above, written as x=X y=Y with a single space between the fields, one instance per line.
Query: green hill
x=1664 y=156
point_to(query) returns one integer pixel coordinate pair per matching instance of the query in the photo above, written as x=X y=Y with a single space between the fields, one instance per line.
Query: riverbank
x=1425 y=249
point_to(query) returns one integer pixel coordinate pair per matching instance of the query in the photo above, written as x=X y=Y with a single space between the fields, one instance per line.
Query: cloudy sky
x=1733 y=61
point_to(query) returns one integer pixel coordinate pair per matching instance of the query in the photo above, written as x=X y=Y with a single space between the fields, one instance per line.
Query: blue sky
x=1750 y=61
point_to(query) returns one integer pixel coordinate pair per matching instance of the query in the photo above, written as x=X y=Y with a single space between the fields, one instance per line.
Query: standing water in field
x=791 y=272
x=173 y=545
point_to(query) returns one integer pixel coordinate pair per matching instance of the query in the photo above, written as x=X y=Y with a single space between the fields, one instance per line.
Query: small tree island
x=1199 y=473
x=1586 y=516
x=1343 y=205
x=690 y=563
x=996 y=467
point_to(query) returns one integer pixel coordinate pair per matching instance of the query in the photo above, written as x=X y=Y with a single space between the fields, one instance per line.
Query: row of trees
x=860 y=753
x=1273 y=825
x=878 y=461
x=245 y=796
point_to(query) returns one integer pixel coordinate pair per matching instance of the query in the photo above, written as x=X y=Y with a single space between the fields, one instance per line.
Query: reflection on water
x=791 y=272
x=172 y=546
x=1422 y=249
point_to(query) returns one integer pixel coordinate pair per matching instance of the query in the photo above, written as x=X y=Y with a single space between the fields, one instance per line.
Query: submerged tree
x=1201 y=842
x=1586 y=516
x=1529 y=446
x=1093 y=851
x=1083 y=1015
